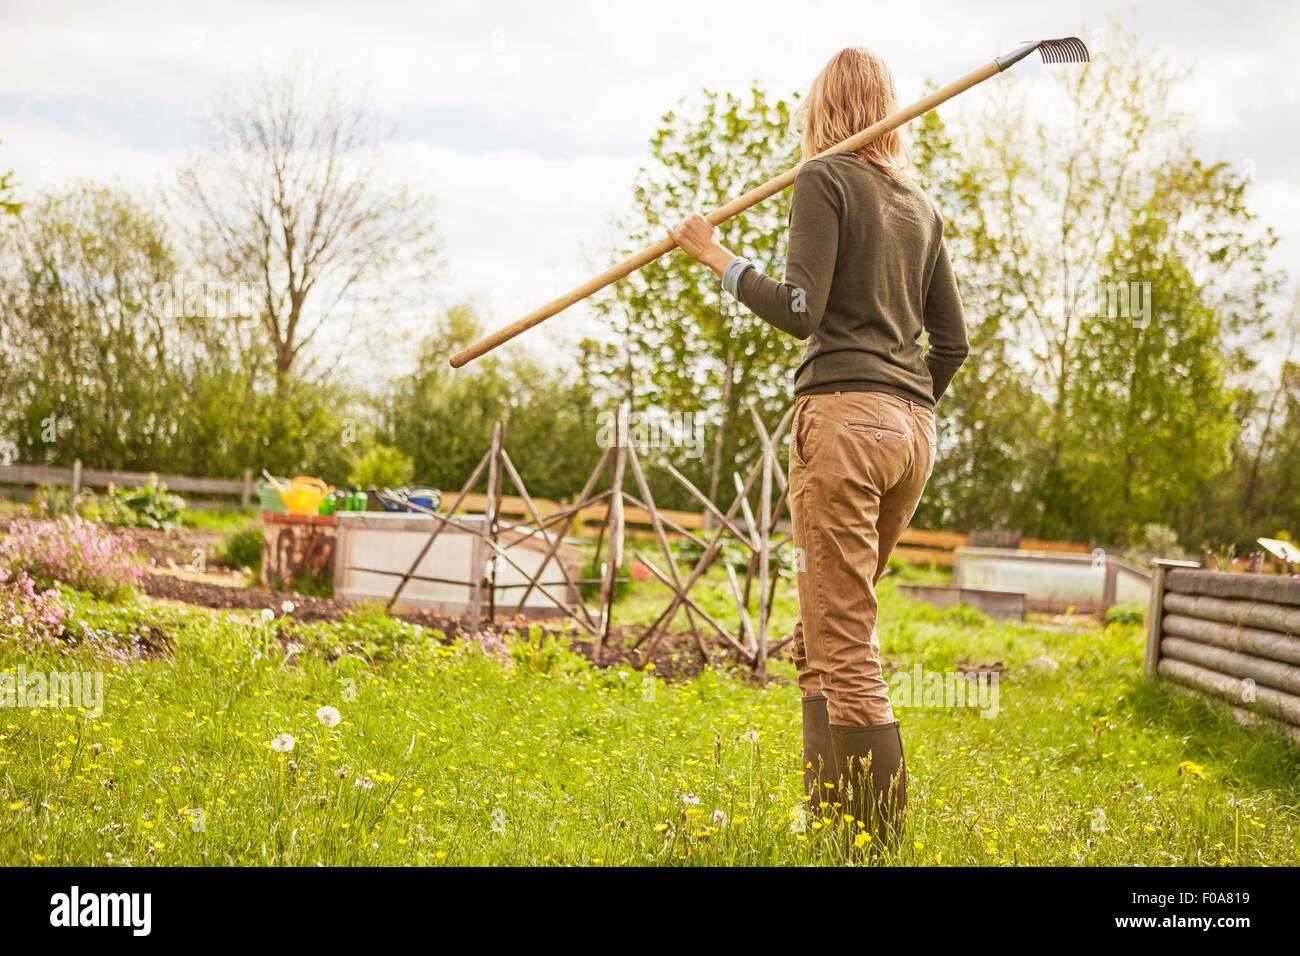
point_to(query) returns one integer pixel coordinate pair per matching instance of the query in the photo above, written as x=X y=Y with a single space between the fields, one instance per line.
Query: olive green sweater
x=866 y=271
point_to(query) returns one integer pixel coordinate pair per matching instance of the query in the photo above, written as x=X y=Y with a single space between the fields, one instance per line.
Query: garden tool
x=303 y=495
x=1064 y=50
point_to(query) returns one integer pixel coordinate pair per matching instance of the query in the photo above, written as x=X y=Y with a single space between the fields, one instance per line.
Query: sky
x=527 y=121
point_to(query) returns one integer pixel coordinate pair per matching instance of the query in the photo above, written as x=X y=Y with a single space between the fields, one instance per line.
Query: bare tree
x=293 y=197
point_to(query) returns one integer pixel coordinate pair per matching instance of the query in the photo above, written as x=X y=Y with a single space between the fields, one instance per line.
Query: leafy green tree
x=96 y=374
x=443 y=418
x=680 y=344
x=100 y=367
x=990 y=421
x=1048 y=216
x=384 y=467
x=1150 y=416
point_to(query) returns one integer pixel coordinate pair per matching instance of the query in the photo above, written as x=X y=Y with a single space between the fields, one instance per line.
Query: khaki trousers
x=858 y=464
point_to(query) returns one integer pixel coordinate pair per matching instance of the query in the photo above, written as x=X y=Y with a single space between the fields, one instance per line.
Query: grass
x=460 y=754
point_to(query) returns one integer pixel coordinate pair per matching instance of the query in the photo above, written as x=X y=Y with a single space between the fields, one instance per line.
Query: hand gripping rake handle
x=1066 y=50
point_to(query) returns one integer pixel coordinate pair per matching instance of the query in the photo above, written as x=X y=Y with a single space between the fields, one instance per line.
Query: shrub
x=29 y=615
x=73 y=551
x=243 y=549
x=384 y=467
x=151 y=506
x=1130 y=612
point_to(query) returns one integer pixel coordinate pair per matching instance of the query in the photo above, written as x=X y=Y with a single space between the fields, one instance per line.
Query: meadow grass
x=471 y=753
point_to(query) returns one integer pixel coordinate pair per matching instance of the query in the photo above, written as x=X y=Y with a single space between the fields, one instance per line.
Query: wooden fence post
x=1155 y=615
x=76 y=477
x=246 y=496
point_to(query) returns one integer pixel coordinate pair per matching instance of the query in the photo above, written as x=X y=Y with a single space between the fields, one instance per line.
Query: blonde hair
x=853 y=91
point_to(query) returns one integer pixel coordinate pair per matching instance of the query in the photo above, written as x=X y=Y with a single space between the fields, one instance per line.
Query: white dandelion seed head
x=283 y=743
x=287 y=607
x=267 y=614
x=329 y=716
x=690 y=799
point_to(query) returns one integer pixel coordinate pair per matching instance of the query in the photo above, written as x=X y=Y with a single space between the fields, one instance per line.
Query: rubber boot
x=818 y=757
x=873 y=778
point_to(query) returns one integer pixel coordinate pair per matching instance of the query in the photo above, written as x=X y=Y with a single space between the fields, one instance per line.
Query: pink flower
x=74 y=551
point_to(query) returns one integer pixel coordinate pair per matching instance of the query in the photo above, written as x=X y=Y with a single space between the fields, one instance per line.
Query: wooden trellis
x=756 y=530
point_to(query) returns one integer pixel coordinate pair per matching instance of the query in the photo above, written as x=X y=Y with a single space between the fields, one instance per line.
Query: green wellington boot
x=874 y=778
x=818 y=757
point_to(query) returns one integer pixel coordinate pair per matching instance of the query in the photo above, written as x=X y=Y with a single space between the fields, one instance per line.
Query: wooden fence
x=1233 y=636
x=916 y=546
x=77 y=478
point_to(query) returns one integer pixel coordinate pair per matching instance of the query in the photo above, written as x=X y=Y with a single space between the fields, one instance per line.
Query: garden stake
x=1065 y=50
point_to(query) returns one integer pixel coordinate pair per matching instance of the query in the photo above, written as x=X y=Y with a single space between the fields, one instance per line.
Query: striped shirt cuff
x=731 y=275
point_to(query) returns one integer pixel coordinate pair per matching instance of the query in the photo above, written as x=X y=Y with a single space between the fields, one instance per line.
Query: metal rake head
x=1063 y=50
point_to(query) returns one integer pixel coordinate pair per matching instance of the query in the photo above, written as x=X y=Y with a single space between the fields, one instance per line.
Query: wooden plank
x=1231 y=637
x=934 y=539
x=34 y=475
x=1270 y=588
x=135 y=479
x=1274 y=674
x=1258 y=614
x=1274 y=703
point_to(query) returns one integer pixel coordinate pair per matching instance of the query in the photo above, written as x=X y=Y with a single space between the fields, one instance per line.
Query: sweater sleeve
x=944 y=323
x=796 y=306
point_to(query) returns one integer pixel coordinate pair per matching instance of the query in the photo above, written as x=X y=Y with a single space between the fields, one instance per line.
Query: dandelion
x=329 y=716
x=16 y=806
x=283 y=743
x=1190 y=769
x=719 y=818
x=287 y=607
x=690 y=799
x=268 y=615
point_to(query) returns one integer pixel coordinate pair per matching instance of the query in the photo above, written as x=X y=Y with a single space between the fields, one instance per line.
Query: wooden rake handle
x=721 y=215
